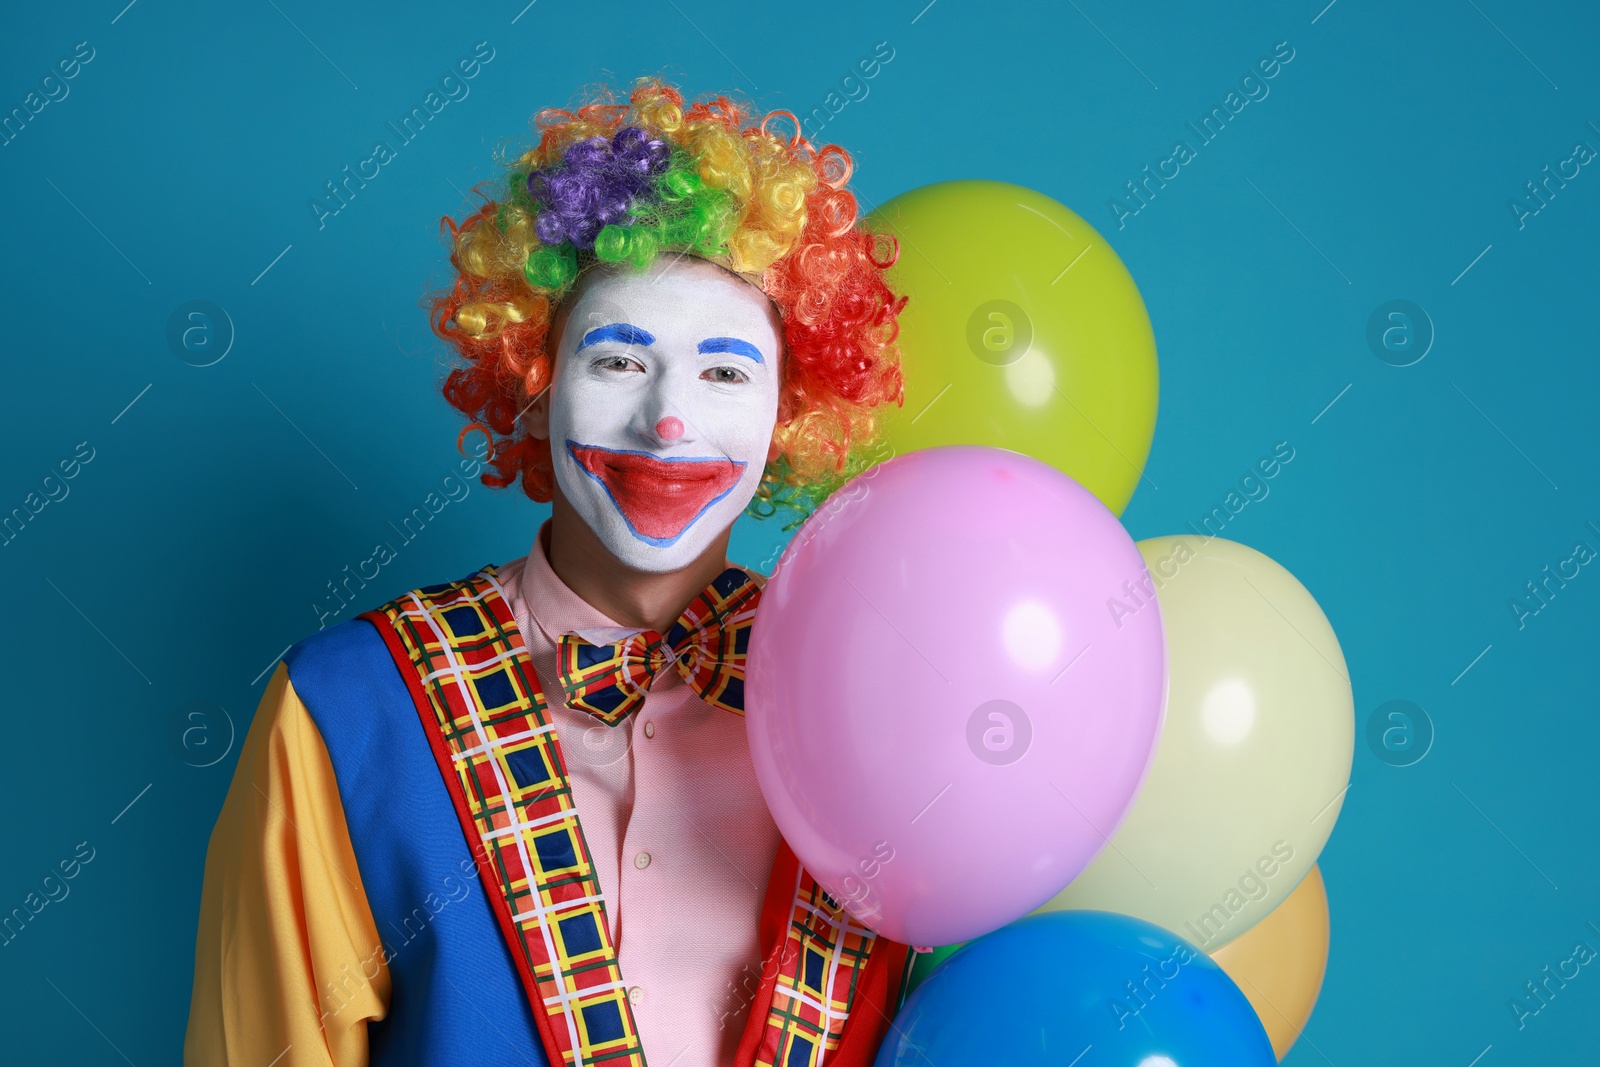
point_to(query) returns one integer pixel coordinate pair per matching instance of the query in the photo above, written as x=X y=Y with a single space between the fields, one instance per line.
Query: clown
x=511 y=819
x=660 y=425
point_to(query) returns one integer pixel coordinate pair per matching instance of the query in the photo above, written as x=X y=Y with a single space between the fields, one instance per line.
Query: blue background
x=189 y=551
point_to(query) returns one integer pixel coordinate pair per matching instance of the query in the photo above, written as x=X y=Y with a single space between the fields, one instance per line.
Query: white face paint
x=662 y=407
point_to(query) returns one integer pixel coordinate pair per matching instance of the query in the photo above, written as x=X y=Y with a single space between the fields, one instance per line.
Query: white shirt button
x=634 y=993
x=649 y=729
x=642 y=860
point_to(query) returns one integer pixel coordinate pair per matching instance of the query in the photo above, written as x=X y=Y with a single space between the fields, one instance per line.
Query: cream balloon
x=1254 y=757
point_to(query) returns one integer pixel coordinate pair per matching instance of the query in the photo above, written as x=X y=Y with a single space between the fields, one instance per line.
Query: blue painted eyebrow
x=731 y=345
x=621 y=332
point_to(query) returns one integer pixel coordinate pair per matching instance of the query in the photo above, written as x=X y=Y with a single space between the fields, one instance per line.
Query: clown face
x=662 y=407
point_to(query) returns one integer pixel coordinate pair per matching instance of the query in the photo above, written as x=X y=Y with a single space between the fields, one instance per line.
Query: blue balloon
x=1115 y=990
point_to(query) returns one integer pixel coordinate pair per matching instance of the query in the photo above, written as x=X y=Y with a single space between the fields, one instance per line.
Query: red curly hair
x=774 y=209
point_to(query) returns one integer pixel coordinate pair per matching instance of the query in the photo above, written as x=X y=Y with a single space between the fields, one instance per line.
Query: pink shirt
x=680 y=836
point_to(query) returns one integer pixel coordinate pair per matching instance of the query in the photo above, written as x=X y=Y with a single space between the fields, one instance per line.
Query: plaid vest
x=828 y=985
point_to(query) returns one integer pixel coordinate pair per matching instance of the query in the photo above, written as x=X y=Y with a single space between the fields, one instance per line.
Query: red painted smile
x=658 y=497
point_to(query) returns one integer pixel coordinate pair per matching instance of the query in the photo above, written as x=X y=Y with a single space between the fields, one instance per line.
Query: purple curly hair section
x=594 y=185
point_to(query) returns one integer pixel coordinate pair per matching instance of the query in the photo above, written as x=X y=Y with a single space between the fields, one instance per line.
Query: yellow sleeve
x=287 y=962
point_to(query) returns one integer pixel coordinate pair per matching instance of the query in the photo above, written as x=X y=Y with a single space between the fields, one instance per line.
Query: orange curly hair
x=715 y=182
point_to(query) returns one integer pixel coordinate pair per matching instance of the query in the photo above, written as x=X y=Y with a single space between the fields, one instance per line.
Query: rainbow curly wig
x=621 y=183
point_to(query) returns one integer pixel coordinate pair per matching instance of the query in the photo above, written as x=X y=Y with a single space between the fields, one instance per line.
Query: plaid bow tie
x=707 y=645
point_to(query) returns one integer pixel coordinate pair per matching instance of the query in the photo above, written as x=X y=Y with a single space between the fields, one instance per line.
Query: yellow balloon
x=1254 y=755
x=1023 y=331
x=1279 y=963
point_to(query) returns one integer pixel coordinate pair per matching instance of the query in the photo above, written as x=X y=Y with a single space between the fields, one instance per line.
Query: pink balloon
x=947 y=718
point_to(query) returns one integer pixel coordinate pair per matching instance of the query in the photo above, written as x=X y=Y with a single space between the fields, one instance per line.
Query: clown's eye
x=619 y=363
x=727 y=375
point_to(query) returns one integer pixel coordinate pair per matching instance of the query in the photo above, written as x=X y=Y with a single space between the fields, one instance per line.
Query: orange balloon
x=1279 y=962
